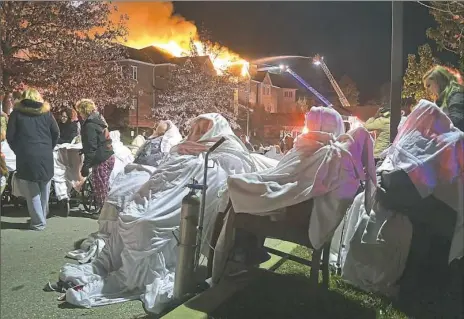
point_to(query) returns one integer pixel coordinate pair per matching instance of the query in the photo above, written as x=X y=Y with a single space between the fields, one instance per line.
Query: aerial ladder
x=309 y=87
x=284 y=68
x=318 y=60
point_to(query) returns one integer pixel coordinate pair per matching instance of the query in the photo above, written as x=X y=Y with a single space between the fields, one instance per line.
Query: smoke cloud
x=154 y=22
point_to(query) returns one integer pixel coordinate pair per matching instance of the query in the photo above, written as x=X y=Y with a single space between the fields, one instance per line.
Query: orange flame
x=154 y=23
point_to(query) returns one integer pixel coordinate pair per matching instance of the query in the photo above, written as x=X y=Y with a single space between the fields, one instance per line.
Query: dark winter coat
x=96 y=142
x=68 y=131
x=454 y=109
x=32 y=134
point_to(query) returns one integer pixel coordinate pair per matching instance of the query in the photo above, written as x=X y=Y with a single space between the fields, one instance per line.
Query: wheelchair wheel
x=89 y=200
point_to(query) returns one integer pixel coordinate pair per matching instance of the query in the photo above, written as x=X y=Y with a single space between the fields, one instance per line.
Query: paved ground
x=30 y=259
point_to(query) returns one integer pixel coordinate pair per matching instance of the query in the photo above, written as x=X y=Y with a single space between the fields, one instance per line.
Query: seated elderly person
x=139 y=258
x=147 y=159
x=324 y=166
x=422 y=187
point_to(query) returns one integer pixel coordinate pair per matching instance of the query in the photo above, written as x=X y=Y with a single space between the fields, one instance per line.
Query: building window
x=266 y=90
x=288 y=94
x=134 y=102
x=134 y=72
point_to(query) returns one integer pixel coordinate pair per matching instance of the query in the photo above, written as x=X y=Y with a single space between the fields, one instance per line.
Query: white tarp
x=431 y=151
x=318 y=167
x=139 y=258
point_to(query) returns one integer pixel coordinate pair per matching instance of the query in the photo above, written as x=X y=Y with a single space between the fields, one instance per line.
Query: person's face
x=199 y=128
x=432 y=88
x=64 y=117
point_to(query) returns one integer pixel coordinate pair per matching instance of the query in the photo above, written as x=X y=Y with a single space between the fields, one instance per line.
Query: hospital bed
x=291 y=226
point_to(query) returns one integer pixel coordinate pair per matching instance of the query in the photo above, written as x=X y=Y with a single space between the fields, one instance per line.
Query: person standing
x=380 y=123
x=32 y=134
x=69 y=126
x=97 y=148
x=446 y=88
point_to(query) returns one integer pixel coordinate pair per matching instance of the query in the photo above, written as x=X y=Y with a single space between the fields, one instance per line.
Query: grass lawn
x=284 y=294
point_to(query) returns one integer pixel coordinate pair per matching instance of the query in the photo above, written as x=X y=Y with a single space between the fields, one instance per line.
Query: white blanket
x=133 y=176
x=272 y=153
x=122 y=153
x=139 y=258
x=318 y=167
x=375 y=267
x=430 y=150
x=68 y=163
x=10 y=156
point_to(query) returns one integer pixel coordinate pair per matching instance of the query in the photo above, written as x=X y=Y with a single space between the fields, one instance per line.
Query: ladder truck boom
x=309 y=87
x=318 y=60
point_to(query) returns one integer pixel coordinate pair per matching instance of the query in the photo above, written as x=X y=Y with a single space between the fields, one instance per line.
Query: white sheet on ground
x=318 y=167
x=92 y=246
x=139 y=258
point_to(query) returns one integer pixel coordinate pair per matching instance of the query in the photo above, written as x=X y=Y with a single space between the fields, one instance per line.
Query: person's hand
x=85 y=171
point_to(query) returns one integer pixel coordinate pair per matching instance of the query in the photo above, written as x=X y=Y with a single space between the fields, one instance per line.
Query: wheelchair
x=88 y=198
x=7 y=197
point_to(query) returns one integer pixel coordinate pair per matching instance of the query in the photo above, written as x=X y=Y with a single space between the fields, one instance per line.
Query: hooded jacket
x=381 y=125
x=96 y=141
x=32 y=134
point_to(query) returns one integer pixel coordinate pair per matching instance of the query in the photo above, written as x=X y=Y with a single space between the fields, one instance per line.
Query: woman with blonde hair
x=97 y=148
x=32 y=134
x=445 y=85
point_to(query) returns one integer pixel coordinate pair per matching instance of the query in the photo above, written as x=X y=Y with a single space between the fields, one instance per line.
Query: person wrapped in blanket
x=325 y=166
x=3 y=168
x=147 y=159
x=97 y=149
x=421 y=185
x=139 y=258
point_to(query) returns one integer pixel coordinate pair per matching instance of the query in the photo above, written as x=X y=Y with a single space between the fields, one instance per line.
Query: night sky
x=353 y=37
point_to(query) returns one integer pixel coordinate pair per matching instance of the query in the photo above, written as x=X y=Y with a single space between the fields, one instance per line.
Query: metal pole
x=248 y=107
x=137 y=116
x=396 y=67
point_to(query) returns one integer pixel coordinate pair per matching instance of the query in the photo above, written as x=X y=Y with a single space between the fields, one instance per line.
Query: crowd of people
x=140 y=214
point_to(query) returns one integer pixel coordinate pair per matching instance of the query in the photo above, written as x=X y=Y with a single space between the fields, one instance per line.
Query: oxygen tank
x=185 y=281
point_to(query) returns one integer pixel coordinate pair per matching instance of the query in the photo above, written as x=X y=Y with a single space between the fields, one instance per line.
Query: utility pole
x=396 y=67
x=137 y=116
x=248 y=105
